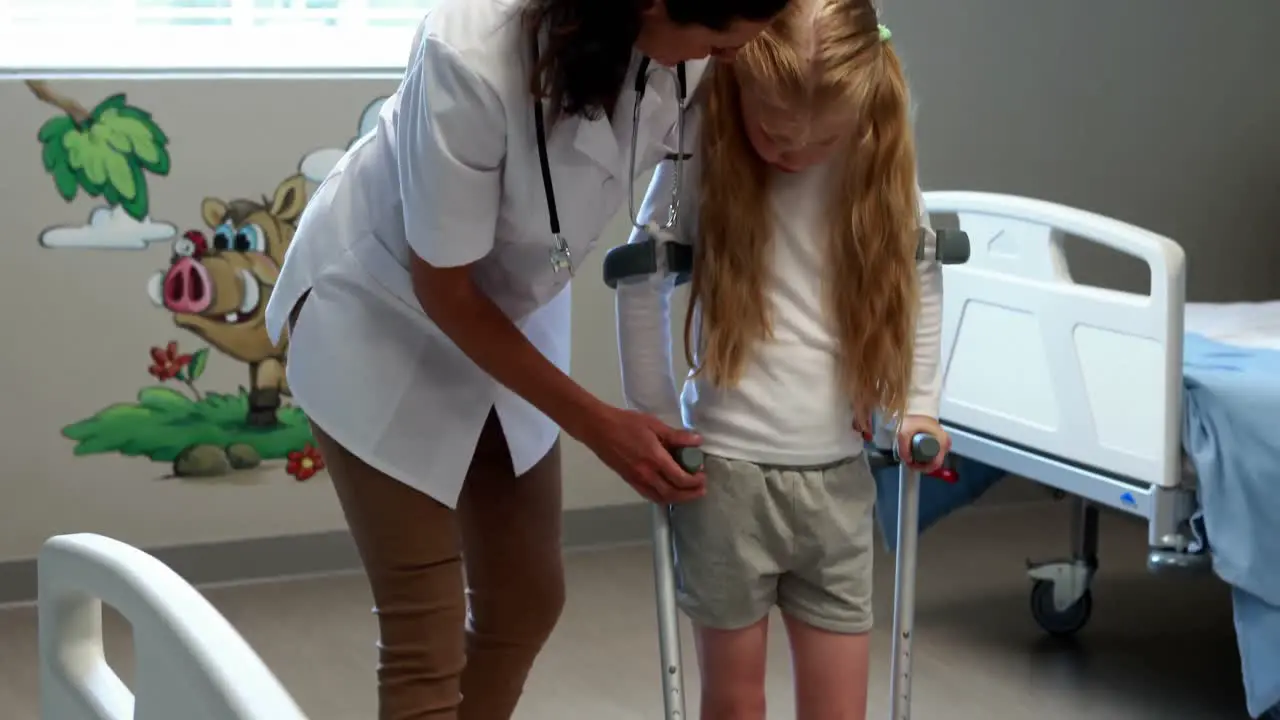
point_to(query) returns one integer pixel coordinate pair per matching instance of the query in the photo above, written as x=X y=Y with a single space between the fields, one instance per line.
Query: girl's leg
x=515 y=577
x=826 y=596
x=733 y=663
x=831 y=672
x=729 y=545
x=410 y=550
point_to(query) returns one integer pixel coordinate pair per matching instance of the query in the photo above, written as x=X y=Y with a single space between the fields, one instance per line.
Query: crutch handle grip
x=690 y=459
x=924 y=448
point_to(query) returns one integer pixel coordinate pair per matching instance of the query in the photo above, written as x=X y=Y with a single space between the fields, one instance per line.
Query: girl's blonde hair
x=820 y=55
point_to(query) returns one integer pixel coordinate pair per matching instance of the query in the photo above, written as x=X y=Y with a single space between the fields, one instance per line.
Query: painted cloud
x=315 y=166
x=108 y=228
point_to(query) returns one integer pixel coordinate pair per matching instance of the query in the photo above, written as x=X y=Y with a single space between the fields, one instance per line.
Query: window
x=114 y=36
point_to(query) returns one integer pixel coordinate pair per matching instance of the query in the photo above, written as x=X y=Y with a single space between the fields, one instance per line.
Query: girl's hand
x=913 y=425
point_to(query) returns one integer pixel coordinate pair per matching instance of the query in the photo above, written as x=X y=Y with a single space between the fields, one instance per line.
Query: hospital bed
x=189 y=662
x=1140 y=403
x=1073 y=386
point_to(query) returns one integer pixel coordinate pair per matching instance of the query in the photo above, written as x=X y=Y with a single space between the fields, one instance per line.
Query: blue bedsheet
x=1231 y=430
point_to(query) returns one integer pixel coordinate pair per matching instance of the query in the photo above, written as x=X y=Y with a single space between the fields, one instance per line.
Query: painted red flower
x=166 y=362
x=304 y=463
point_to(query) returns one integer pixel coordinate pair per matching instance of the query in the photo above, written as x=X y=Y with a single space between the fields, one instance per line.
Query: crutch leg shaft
x=924 y=448
x=904 y=592
x=668 y=621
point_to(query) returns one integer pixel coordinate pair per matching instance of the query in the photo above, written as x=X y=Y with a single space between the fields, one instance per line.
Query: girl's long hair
x=815 y=59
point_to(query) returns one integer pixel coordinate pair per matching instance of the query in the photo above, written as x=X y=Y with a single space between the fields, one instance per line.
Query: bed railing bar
x=1100 y=488
x=987 y=437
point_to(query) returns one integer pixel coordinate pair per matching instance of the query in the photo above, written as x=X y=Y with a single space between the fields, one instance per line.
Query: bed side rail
x=1077 y=372
x=190 y=662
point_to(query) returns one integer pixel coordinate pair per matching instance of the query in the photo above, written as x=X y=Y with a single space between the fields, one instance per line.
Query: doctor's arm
x=644 y=320
x=451 y=135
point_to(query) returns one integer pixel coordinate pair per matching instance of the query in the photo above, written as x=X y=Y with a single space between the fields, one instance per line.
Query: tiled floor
x=1158 y=647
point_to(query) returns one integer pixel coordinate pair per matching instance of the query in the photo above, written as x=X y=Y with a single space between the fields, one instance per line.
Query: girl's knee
x=740 y=702
x=733 y=671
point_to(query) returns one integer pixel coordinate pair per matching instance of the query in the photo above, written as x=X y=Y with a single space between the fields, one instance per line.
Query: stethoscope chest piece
x=560 y=255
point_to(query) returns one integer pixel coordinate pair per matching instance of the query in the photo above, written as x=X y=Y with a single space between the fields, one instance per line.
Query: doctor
x=427 y=301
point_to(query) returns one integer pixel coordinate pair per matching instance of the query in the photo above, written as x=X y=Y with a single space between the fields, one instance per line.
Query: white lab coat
x=450 y=173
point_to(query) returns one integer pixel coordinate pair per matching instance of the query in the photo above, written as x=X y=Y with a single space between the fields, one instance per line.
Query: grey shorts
x=798 y=538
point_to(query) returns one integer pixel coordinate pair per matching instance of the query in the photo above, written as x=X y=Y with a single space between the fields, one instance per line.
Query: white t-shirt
x=789 y=407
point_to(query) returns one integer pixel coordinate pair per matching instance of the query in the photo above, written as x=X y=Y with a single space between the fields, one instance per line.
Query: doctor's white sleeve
x=451 y=139
x=925 y=395
x=644 y=317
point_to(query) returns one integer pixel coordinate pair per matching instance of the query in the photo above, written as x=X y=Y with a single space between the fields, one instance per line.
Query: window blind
x=112 y=36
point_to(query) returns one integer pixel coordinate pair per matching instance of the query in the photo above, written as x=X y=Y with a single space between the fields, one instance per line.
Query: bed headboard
x=189 y=662
x=1085 y=374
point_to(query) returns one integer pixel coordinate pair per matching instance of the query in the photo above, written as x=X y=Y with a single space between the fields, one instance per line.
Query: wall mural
x=214 y=288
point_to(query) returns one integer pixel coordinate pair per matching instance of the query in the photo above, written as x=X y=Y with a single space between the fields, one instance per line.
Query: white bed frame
x=190 y=663
x=1075 y=387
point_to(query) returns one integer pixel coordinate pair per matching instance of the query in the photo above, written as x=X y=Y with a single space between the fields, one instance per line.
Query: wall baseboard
x=322 y=552
x=331 y=552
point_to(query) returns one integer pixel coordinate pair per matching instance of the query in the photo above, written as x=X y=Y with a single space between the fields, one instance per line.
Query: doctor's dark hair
x=820 y=57
x=587 y=51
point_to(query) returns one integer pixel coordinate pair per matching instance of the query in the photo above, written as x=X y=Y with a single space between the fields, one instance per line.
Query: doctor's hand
x=638 y=447
x=913 y=425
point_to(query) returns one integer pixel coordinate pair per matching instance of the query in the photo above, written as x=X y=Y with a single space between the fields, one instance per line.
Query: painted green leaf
x=108 y=130
x=64 y=178
x=119 y=174
x=145 y=138
x=93 y=160
x=165 y=400
x=53 y=154
x=144 y=117
x=74 y=142
x=199 y=361
x=139 y=205
x=114 y=102
x=54 y=128
x=161 y=164
x=109 y=193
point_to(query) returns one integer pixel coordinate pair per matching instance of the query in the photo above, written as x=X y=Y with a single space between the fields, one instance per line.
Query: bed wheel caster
x=1062 y=623
x=1061 y=599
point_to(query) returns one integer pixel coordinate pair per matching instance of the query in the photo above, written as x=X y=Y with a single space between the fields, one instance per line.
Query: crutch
x=664 y=574
x=924 y=448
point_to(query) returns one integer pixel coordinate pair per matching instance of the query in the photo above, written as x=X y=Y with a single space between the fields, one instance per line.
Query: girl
x=808 y=313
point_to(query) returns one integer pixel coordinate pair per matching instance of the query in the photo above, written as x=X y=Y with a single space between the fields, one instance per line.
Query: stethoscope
x=561 y=257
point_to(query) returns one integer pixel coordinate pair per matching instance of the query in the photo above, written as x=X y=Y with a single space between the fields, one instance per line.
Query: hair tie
x=885 y=33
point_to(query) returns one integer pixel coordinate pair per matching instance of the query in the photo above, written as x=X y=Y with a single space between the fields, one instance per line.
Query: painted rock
x=202 y=461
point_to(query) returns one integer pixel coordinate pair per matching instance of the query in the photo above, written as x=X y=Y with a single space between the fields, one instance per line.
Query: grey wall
x=1163 y=113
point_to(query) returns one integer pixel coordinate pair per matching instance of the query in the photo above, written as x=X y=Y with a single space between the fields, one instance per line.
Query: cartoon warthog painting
x=218 y=288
